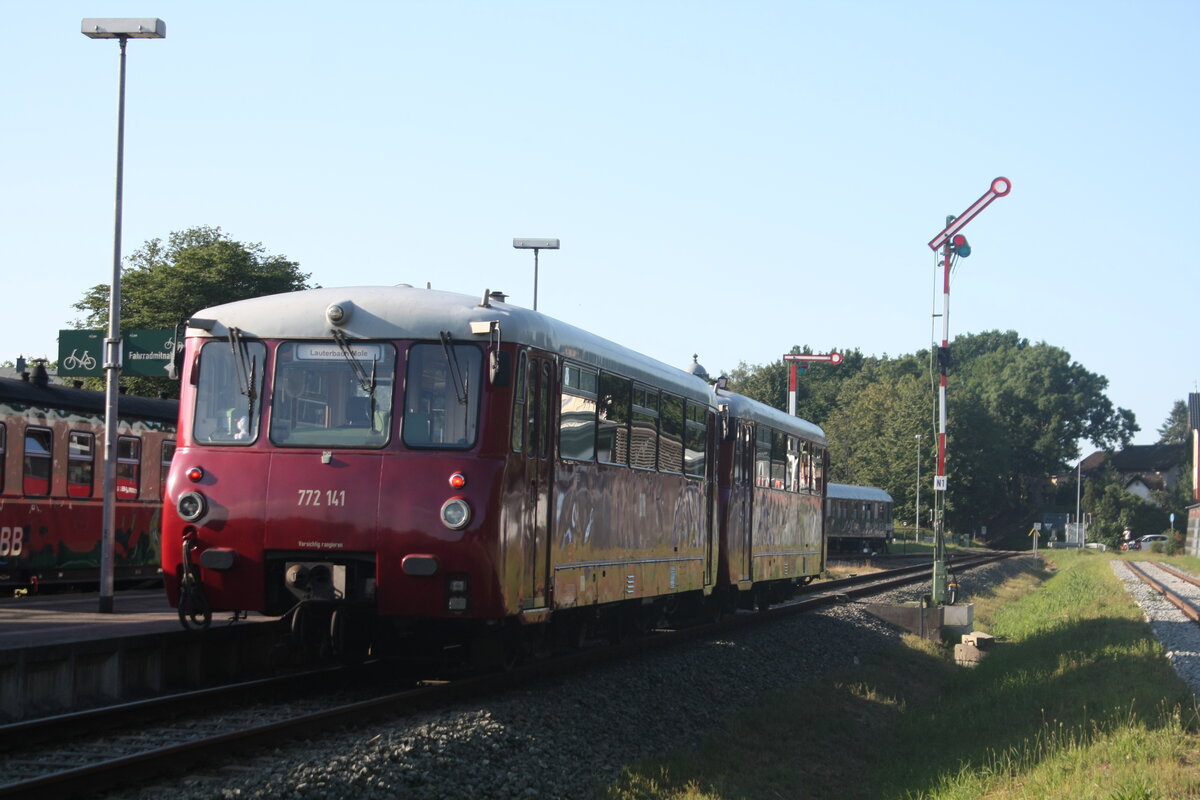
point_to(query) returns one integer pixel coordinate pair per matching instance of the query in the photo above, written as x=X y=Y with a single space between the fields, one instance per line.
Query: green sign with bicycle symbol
x=147 y=353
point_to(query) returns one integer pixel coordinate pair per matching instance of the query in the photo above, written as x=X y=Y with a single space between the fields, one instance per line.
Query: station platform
x=35 y=620
x=58 y=653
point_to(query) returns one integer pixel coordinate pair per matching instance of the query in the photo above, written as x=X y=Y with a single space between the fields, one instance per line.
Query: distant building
x=1143 y=468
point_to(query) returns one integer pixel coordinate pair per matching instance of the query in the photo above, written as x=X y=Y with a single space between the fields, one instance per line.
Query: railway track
x=84 y=753
x=1187 y=599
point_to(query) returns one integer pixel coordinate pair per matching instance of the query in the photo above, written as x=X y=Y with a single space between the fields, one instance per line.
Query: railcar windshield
x=329 y=394
x=229 y=392
x=441 y=395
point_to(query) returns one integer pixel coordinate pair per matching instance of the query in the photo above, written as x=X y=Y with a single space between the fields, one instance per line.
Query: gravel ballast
x=564 y=738
x=1180 y=637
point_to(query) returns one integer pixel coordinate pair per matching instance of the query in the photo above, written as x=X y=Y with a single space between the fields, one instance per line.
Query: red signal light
x=195 y=474
x=458 y=480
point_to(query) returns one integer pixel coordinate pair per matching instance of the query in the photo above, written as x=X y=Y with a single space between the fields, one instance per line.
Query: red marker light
x=195 y=474
x=458 y=480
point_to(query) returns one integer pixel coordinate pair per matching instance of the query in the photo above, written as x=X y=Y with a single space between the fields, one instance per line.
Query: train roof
x=843 y=491
x=405 y=312
x=29 y=393
x=743 y=407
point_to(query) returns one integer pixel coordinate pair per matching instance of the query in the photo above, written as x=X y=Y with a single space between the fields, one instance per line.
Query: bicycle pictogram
x=85 y=361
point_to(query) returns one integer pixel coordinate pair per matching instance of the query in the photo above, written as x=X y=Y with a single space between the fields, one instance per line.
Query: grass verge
x=1076 y=701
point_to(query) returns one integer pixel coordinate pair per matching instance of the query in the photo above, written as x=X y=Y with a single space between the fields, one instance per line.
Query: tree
x=164 y=284
x=1175 y=429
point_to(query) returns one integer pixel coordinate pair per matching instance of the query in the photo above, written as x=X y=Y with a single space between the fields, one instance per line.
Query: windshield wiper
x=460 y=383
x=247 y=371
x=366 y=382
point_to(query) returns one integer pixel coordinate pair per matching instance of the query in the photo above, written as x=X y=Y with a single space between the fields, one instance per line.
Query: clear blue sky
x=727 y=178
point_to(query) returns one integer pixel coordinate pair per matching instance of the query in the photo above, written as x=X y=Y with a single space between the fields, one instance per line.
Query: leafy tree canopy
x=162 y=284
x=1017 y=412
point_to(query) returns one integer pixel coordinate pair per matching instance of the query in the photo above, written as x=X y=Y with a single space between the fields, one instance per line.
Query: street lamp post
x=122 y=30
x=917 y=517
x=535 y=245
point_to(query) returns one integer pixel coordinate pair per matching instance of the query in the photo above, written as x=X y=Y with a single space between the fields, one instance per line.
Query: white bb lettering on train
x=11 y=541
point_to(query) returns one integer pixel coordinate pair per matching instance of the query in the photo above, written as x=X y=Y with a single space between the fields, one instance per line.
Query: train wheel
x=349 y=636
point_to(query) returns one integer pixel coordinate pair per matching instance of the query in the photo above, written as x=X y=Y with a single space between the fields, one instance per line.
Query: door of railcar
x=741 y=503
x=539 y=460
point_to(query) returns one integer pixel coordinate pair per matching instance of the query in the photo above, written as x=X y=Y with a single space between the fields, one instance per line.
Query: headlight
x=456 y=514
x=191 y=506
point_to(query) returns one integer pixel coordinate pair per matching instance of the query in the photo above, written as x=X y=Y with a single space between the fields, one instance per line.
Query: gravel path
x=571 y=735
x=1180 y=636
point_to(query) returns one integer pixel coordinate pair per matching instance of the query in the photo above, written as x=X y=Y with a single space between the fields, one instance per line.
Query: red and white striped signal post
x=794 y=362
x=952 y=243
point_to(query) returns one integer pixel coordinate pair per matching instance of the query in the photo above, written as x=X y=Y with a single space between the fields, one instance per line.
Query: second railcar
x=771 y=474
x=858 y=519
x=52 y=483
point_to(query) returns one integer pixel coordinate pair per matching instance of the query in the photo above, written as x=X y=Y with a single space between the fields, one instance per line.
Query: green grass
x=1076 y=700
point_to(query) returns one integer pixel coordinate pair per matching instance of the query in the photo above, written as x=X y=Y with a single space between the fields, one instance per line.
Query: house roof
x=1139 y=458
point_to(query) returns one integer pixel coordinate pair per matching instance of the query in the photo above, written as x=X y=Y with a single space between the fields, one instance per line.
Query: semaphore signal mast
x=951 y=243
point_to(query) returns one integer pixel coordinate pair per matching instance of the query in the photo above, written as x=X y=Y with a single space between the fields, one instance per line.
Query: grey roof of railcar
x=56 y=395
x=843 y=491
x=405 y=312
x=743 y=407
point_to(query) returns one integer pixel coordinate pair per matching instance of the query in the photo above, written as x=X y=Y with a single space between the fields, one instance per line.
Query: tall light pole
x=917 y=517
x=122 y=30
x=535 y=245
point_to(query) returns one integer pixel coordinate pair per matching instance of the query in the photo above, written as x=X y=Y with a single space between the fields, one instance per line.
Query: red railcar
x=409 y=455
x=52 y=481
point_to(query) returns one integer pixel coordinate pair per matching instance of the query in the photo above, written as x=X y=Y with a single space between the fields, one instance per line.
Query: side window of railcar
x=762 y=457
x=519 y=416
x=643 y=450
x=793 y=464
x=326 y=395
x=670 y=444
x=441 y=396
x=577 y=417
x=129 y=466
x=818 y=469
x=612 y=431
x=695 y=439
x=38 y=461
x=229 y=394
x=778 y=460
x=81 y=463
x=168 y=453
x=3 y=452
x=543 y=412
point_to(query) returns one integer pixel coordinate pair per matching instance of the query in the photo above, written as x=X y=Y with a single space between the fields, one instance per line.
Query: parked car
x=1154 y=539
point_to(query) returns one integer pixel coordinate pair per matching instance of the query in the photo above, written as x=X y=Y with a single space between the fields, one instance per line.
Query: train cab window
x=670 y=439
x=695 y=439
x=38 y=461
x=441 y=396
x=329 y=394
x=229 y=393
x=168 y=453
x=612 y=427
x=643 y=448
x=81 y=464
x=3 y=451
x=577 y=413
x=129 y=467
